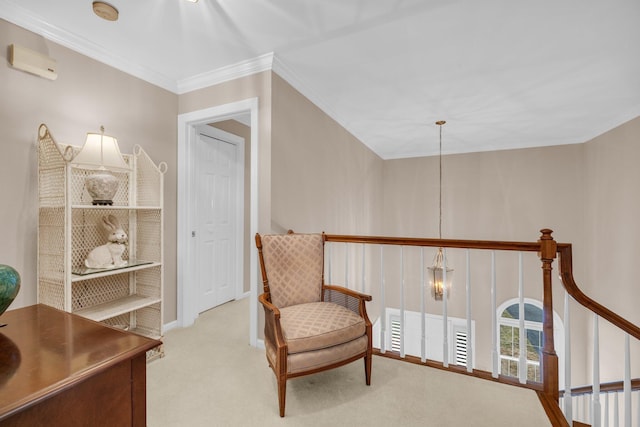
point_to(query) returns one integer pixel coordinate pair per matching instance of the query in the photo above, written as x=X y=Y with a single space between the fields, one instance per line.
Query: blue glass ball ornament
x=9 y=286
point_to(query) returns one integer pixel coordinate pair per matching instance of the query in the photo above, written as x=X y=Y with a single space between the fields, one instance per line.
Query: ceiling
x=502 y=73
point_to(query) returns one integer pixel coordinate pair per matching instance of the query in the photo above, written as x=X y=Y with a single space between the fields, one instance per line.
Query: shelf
x=93 y=273
x=146 y=333
x=70 y=227
x=118 y=207
x=116 y=307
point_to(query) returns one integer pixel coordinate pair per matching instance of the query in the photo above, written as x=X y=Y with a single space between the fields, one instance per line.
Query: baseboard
x=174 y=324
x=169 y=326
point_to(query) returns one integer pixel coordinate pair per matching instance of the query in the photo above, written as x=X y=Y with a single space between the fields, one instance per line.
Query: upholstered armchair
x=309 y=326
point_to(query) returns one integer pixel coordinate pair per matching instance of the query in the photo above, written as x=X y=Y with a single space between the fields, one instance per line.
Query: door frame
x=187 y=304
x=238 y=231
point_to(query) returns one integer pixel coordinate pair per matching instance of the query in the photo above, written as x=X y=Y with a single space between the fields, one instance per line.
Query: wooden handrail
x=566 y=273
x=565 y=263
x=445 y=243
x=604 y=388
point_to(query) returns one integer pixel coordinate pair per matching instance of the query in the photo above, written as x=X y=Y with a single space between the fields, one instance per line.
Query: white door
x=216 y=163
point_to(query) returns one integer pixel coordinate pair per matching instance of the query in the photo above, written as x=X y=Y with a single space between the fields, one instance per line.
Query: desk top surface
x=44 y=350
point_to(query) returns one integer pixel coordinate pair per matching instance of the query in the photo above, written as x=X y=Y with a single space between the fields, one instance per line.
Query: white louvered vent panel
x=396 y=333
x=461 y=347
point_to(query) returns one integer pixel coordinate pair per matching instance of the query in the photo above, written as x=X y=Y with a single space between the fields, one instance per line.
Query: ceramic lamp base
x=101 y=186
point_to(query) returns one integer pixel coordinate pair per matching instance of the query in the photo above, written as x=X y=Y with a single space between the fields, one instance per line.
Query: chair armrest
x=353 y=300
x=272 y=328
x=349 y=292
x=268 y=306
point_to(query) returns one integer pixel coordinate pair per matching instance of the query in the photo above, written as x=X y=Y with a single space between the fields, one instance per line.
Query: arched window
x=509 y=338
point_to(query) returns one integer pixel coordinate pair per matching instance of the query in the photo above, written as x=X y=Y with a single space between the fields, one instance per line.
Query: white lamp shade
x=100 y=152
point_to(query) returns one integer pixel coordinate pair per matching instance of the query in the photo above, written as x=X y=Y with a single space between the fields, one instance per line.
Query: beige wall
x=612 y=234
x=612 y=226
x=323 y=178
x=86 y=95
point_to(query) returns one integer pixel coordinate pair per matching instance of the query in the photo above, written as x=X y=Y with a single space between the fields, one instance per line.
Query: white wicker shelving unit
x=69 y=228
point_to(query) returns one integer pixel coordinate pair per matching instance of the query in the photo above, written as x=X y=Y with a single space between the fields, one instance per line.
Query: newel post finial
x=548 y=246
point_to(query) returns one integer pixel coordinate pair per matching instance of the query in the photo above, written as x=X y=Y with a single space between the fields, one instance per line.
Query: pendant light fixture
x=439 y=273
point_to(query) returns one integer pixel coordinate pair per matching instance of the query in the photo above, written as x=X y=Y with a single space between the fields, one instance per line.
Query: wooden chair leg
x=367 y=368
x=282 y=393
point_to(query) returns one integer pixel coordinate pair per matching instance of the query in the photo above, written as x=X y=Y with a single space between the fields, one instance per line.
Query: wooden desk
x=57 y=368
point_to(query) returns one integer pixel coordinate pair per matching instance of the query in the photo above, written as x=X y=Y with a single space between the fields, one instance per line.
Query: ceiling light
x=105 y=11
x=193 y=1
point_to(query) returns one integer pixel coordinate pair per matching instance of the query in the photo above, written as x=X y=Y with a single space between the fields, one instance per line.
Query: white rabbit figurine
x=109 y=254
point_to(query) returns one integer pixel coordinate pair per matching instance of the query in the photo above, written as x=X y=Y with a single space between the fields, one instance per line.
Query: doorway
x=218 y=209
x=188 y=293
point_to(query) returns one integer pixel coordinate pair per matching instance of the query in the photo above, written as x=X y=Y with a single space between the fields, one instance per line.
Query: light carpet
x=210 y=376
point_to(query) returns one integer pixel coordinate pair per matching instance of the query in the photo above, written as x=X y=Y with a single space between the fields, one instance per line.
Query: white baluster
x=616 y=410
x=568 y=409
x=595 y=410
x=494 y=320
x=423 y=332
x=469 y=330
x=638 y=409
x=402 y=302
x=580 y=413
x=364 y=287
x=346 y=265
x=522 y=362
x=445 y=318
x=627 y=382
x=330 y=259
x=606 y=409
x=383 y=317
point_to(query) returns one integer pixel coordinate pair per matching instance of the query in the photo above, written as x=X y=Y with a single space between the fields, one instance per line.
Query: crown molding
x=226 y=73
x=17 y=15
x=20 y=16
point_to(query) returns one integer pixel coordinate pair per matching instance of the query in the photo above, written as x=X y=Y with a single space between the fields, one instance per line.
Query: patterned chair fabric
x=318 y=325
x=295 y=266
x=309 y=327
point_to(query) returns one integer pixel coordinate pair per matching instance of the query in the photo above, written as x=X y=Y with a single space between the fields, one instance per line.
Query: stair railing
x=363 y=263
x=585 y=404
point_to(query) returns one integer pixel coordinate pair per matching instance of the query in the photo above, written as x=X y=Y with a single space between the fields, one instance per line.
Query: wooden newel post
x=548 y=250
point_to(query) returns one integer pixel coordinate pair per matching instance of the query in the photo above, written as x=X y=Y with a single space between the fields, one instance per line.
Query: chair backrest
x=294 y=267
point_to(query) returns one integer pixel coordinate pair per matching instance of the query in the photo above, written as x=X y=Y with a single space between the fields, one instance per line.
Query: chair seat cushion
x=317 y=325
